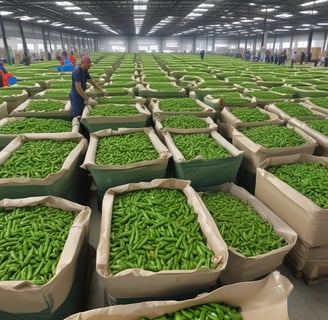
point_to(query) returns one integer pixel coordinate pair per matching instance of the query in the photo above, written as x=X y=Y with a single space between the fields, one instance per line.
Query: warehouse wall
x=59 y=39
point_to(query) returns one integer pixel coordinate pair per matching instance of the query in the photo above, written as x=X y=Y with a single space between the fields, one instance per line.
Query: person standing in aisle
x=64 y=59
x=202 y=54
x=293 y=59
x=72 y=58
x=326 y=60
x=80 y=77
x=302 y=57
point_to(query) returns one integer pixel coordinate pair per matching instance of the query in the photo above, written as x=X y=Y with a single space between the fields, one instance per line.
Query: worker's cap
x=86 y=59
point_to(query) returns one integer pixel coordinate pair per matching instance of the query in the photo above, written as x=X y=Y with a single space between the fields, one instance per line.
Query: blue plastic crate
x=12 y=80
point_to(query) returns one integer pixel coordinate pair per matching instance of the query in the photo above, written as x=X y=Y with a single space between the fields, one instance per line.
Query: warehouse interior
x=146 y=52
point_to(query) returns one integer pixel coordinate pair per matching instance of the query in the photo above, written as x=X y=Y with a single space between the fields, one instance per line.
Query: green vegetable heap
x=125 y=149
x=308 y=178
x=184 y=122
x=36 y=125
x=179 y=105
x=240 y=225
x=273 y=136
x=36 y=159
x=47 y=106
x=109 y=110
x=249 y=114
x=210 y=311
x=293 y=109
x=31 y=241
x=155 y=229
x=199 y=145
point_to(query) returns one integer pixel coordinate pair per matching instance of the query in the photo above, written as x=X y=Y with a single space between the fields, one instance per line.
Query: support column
x=160 y=49
x=67 y=42
x=291 y=41
x=9 y=57
x=129 y=45
x=238 y=43
x=79 y=44
x=45 y=43
x=61 y=40
x=25 y=54
x=274 y=43
x=324 y=46
x=213 y=42
x=309 y=46
x=206 y=42
x=73 y=41
x=193 y=50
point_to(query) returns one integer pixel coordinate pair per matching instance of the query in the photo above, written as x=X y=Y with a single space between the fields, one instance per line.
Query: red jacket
x=4 y=78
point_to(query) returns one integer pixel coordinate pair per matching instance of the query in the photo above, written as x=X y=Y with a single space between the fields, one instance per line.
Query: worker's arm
x=96 y=85
x=80 y=91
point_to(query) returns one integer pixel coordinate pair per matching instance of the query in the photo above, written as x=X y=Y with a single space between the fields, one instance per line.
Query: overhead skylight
x=25 y=18
x=268 y=9
x=5 y=13
x=64 y=3
x=309 y=12
x=138 y=7
x=72 y=8
x=83 y=13
x=284 y=15
x=57 y=24
x=310 y=3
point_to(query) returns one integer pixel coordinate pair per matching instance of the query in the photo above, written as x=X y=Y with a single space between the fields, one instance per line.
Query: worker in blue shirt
x=80 y=77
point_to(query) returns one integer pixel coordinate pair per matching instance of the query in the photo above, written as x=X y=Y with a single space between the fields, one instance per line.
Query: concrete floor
x=306 y=302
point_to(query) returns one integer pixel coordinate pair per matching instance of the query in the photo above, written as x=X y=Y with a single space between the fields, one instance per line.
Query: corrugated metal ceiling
x=222 y=19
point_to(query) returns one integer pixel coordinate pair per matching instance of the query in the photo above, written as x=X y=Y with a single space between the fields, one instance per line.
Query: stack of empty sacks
x=295 y=188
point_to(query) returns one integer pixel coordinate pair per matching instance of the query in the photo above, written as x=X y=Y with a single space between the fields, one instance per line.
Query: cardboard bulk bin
x=215 y=101
x=322 y=149
x=242 y=268
x=65 y=113
x=14 y=100
x=139 y=283
x=6 y=138
x=266 y=298
x=159 y=128
x=97 y=123
x=255 y=153
x=300 y=213
x=63 y=294
x=204 y=109
x=206 y=173
x=174 y=92
x=3 y=110
x=313 y=106
x=228 y=121
x=284 y=116
x=106 y=176
x=63 y=183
